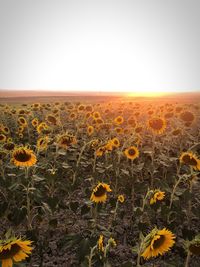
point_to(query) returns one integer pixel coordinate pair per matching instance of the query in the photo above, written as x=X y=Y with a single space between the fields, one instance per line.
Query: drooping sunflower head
x=194 y=246
x=42 y=143
x=112 y=242
x=23 y=157
x=190 y=159
x=157 y=125
x=100 y=244
x=119 y=120
x=131 y=152
x=158 y=242
x=9 y=146
x=157 y=196
x=14 y=250
x=99 y=193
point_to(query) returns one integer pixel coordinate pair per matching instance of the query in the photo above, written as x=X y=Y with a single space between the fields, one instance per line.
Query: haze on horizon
x=91 y=45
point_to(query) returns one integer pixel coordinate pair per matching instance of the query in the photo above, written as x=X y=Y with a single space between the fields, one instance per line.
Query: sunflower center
x=42 y=142
x=195 y=249
x=100 y=191
x=22 y=156
x=9 y=253
x=193 y=162
x=22 y=120
x=131 y=152
x=189 y=160
x=159 y=242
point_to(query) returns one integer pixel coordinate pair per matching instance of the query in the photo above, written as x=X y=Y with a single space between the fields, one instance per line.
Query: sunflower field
x=100 y=183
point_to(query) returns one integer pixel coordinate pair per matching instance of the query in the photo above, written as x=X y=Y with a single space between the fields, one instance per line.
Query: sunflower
x=5 y=130
x=100 y=243
x=119 y=120
x=131 y=152
x=21 y=135
x=22 y=121
x=99 y=193
x=65 y=140
x=131 y=121
x=89 y=108
x=157 y=196
x=176 y=132
x=23 y=157
x=2 y=138
x=109 y=146
x=96 y=115
x=14 y=250
x=157 y=125
x=187 y=116
x=42 y=143
x=42 y=127
x=194 y=246
x=90 y=130
x=21 y=129
x=190 y=159
x=99 y=121
x=157 y=242
x=120 y=198
x=112 y=242
x=81 y=108
x=51 y=119
x=9 y=146
x=138 y=129
x=72 y=116
x=34 y=122
x=100 y=151
x=115 y=142
x=119 y=130
x=88 y=115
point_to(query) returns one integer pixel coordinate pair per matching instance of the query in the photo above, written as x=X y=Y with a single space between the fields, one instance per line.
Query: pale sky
x=100 y=45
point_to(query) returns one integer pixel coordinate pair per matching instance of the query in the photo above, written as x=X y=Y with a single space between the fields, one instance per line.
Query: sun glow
x=147 y=93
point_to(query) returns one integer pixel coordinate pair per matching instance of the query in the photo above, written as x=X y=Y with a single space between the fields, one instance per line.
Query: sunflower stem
x=187 y=259
x=91 y=256
x=190 y=200
x=174 y=190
